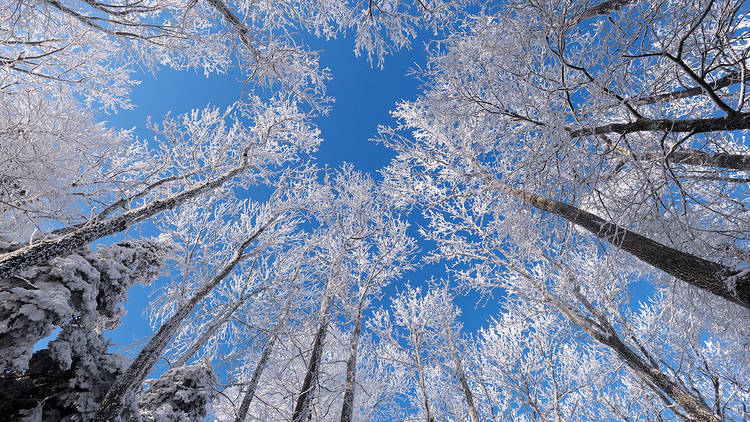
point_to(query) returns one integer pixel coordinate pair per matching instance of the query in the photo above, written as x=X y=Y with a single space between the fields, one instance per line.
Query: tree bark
x=605 y=334
x=690 y=404
x=738 y=162
x=702 y=273
x=604 y=8
x=237 y=24
x=729 y=79
x=253 y=384
x=468 y=396
x=112 y=405
x=209 y=332
x=738 y=121
x=420 y=375
x=43 y=251
x=347 y=409
x=302 y=409
x=694 y=270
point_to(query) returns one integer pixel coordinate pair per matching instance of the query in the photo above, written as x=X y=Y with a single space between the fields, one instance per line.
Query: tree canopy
x=581 y=165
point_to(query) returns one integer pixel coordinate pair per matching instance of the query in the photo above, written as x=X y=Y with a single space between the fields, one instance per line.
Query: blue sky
x=364 y=95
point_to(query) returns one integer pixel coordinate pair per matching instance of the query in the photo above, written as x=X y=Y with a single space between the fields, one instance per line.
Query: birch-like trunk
x=112 y=405
x=259 y=368
x=347 y=408
x=468 y=396
x=217 y=322
x=661 y=383
x=302 y=409
x=694 y=270
x=420 y=376
x=43 y=251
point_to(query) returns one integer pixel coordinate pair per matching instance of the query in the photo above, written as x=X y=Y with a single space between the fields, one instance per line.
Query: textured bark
x=259 y=368
x=699 y=158
x=603 y=8
x=723 y=82
x=420 y=375
x=43 y=251
x=112 y=405
x=702 y=273
x=737 y=121
x=237 y=24
x=696 y=409
x=604 y=333
x=302 y=409
x=347 y=409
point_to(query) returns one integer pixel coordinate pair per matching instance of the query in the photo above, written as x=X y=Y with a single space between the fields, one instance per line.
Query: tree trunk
x=347 y=409
x=464 y=384
x=302 y=409
x=112 y=405
x=603 y=8
x=697 y=410
x=253 y=384
x=420 y=376
x=605 y=334
x=43 y=251
x=209 y=332
x=738 y=162
x=696 y=271
x=738 y=121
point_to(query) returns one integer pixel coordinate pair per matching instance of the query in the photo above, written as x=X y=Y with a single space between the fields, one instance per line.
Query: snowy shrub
x=88 y=286
x=181 y=394
x=82 y=293
x=66 y=381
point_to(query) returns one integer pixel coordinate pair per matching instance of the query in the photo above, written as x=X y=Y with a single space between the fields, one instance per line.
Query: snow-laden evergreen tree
x=80 y=295
x=86 y=289
x=181 y=394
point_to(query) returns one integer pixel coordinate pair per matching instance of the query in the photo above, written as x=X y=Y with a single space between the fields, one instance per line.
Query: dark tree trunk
x=699 y=158
x=697 y=410
x=209 y=332
x=603 y=8
x=347 y=409
x=605 y=334
x=112 y=405
x=302 y=409
x=696 y=271
x=737 y=121
x=468 y=396
x=43 y=251
x=253 y=384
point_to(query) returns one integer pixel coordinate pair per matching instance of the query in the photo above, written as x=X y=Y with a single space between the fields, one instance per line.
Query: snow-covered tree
x=564 y=153
x=81 y=295
x=420 y=338
x=180 y=394
x=87 y=288
x=366 y=239
x=583 y=161
x=258 y=230
x=624 y=119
